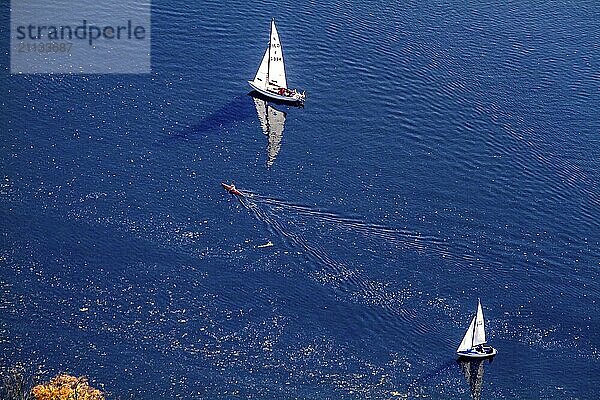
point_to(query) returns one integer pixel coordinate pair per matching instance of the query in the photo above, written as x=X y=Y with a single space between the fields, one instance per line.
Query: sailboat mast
x=267 y=124
x=269 y=60
x=474 y=327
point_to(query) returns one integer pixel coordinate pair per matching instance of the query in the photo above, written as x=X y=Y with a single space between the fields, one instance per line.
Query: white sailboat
x=474 y=344
x=270 y=78
x=272 y=122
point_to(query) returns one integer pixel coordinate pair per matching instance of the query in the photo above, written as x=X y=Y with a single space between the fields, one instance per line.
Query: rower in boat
x=231 y=189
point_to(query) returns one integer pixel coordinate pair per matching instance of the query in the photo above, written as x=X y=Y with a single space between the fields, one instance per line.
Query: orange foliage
x=66 y=387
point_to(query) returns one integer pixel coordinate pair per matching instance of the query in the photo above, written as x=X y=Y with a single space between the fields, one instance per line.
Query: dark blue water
x=447 y=152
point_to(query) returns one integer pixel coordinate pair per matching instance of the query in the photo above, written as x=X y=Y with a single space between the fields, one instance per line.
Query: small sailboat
x=270 y=78
x=474 y=344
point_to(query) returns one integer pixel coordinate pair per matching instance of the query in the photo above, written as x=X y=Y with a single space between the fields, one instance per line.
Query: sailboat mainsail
x=276 y=66
x=479 y=331
x=271 y=71
x=475 y=335
x=272 y=122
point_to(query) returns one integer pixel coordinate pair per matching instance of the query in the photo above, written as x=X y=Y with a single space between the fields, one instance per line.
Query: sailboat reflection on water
x=272 y=122
x=472 y=369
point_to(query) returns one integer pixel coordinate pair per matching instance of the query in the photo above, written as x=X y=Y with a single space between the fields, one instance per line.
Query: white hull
x=297 y=98
x=472 y=353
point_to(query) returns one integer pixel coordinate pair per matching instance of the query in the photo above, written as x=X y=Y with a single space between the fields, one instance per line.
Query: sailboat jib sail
x=474 y=342
x=467 y=341
x=260 y=79
x=270 y=79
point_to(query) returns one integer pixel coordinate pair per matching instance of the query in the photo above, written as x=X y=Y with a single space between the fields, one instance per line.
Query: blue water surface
x=447 y=151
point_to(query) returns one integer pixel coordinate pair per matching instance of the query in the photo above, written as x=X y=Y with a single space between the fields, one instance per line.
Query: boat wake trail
x=403 y=238
x=287 y=230
x=295 y=223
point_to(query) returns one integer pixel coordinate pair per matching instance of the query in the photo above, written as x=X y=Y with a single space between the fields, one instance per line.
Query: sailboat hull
x=472 y=353
x=298 y=98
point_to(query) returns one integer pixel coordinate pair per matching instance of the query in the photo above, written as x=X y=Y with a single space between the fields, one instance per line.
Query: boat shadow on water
x=239 y=110
x=228 y=116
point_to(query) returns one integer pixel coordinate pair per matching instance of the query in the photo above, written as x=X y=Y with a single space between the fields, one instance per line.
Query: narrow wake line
x=413 y=239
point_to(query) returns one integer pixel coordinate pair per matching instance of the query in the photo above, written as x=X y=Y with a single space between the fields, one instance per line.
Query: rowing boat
x=231 y=189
